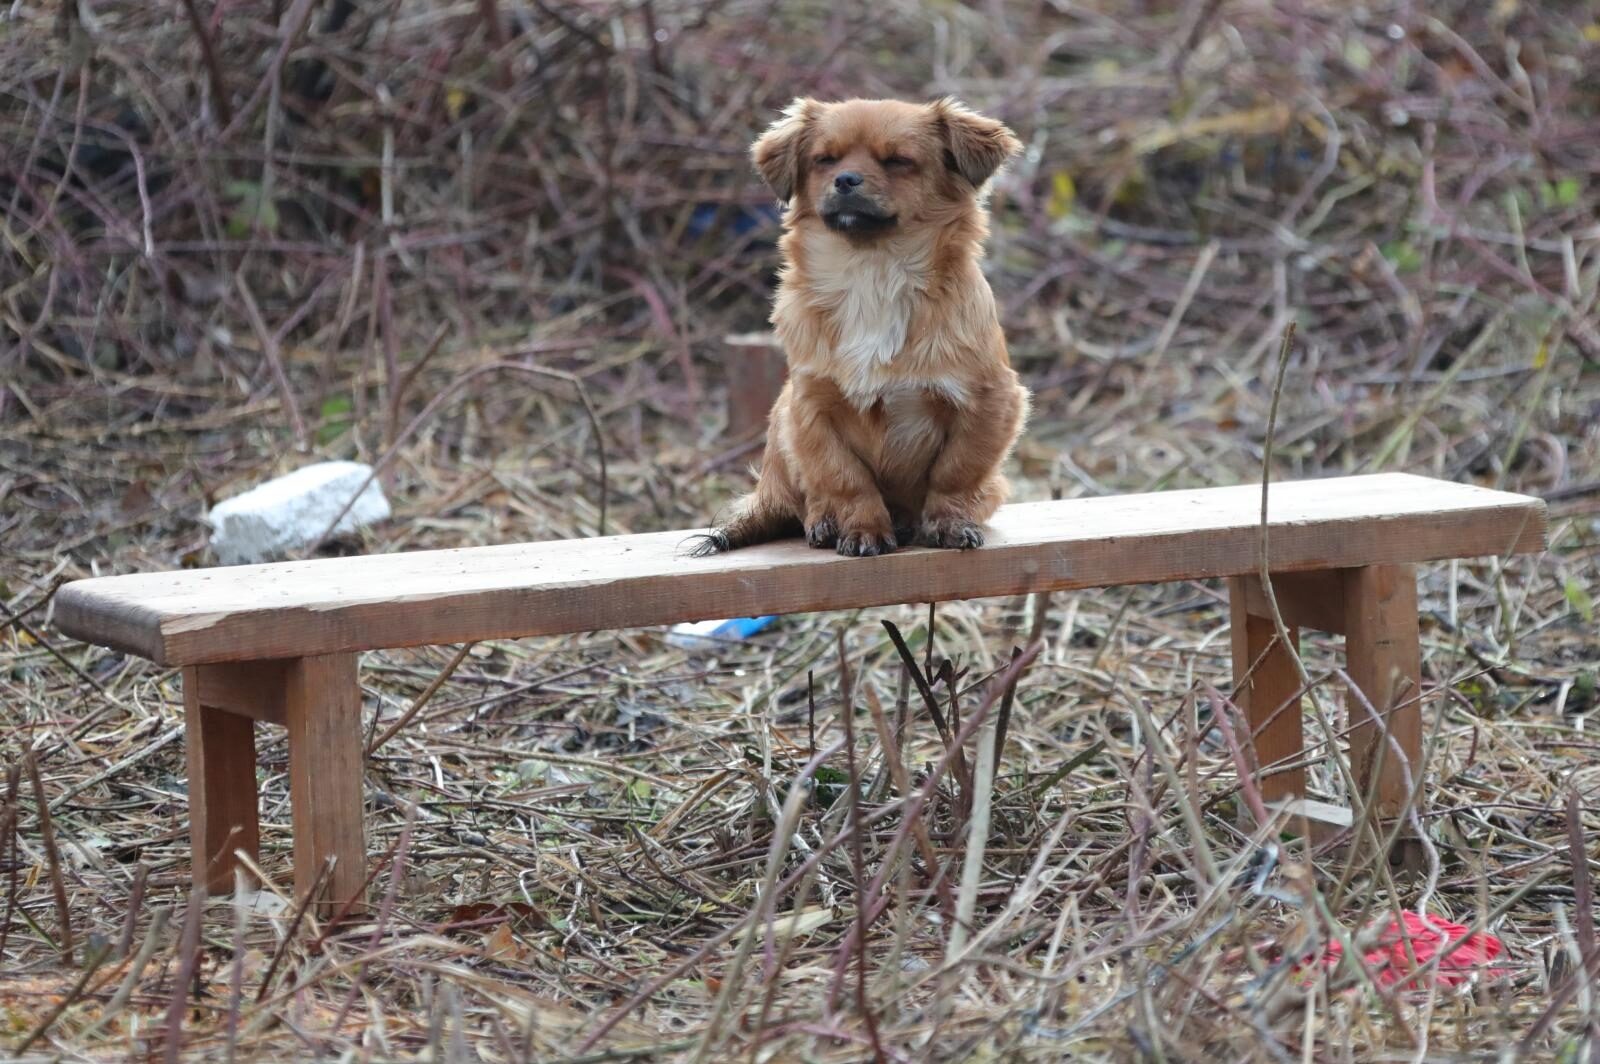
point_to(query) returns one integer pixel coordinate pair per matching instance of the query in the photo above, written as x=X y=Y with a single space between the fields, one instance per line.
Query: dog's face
x=866 y=168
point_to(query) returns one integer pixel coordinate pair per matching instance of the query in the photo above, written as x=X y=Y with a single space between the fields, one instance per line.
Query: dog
x=901 y=403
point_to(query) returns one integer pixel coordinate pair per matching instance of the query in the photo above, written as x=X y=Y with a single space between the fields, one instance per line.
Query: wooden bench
x=278 y=643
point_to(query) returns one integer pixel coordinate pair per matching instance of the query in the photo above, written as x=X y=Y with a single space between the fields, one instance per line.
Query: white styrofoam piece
x=293 y=511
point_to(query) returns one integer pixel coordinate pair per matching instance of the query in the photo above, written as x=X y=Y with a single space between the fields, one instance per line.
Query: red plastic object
x=1389 y=962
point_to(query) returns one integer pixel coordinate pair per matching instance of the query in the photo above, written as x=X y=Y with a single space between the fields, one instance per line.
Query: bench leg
x=1384 y=660
x=322 y=710
x=1269 y=694
x=223 y=809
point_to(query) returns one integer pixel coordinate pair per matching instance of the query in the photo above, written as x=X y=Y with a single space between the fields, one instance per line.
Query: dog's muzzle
x=853 y=214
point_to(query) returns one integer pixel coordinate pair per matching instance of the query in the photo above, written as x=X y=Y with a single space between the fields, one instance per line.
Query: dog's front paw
x=952 y=533
x=866 y=544
x=823 y=532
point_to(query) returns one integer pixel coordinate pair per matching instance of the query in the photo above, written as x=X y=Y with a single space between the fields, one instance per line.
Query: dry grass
x=601 y=848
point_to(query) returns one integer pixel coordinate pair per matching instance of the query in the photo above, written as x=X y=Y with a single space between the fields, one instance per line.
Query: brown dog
x=901 y=402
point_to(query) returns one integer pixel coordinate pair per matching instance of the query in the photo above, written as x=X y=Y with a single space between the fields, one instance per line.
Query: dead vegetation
x=238 y=236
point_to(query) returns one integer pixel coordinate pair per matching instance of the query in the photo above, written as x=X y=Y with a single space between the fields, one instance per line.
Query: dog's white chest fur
x=870 y=294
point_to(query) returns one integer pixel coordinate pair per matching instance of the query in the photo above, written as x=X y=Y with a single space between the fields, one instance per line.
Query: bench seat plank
x=324 y=606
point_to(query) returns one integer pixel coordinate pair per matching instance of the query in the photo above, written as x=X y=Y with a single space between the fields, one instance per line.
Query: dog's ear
x=974 y=146
x=780 y=152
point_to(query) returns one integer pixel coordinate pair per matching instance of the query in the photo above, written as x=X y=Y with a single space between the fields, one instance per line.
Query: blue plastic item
x=705 y=635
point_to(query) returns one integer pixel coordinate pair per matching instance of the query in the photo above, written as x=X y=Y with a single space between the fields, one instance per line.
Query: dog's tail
x=756 y=520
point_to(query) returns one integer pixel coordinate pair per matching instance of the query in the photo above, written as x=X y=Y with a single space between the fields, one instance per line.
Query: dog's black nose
x=847 y=181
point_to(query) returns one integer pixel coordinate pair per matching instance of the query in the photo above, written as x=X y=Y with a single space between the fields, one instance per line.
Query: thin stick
x=902 y=782
x=1265 y=570
x=1582 y=885
x=270 y=351
x=1197 y=276
x=978 y=828
x=135 y=905
x=52 y=857
x=241 y=918
x=188 y=958
x=420 y=364
x=847 y=710
x=929 y=699
x=1004 y=721
x=1242 y=765
x=422 y=699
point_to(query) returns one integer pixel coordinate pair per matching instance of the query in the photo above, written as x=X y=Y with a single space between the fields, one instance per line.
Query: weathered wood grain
x=1269 y=694
x=223 y=810
x=453 y=596
x=326 y=759
x=1306 y=600
x=1383 y=657
x=254 y=689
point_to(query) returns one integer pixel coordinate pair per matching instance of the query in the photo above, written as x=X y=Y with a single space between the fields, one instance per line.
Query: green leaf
x=827 y=785
x=1562 y=193
x=1402 y=255
x=250 y=210
x=336 y=418
x=1579 y=599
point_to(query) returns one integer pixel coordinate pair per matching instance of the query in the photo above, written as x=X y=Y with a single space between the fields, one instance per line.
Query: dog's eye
x=899 y=162
x=825 y=160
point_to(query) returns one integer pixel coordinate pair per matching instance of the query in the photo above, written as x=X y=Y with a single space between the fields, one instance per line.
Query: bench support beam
x=318 y=699
x=1269 y=693
x=251 y=689
x=1306 y=600
x=1375 y=608
x=322 y=710
x=223 y=806
x=1383 y=657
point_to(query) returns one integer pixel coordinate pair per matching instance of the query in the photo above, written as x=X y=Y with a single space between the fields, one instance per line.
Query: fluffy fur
x=901 y=403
